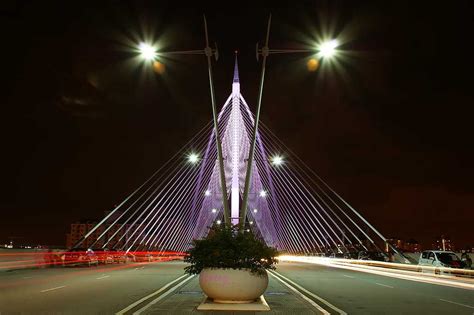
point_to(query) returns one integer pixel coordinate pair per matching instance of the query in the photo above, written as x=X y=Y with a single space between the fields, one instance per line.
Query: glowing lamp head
x=328 y=49
x=207 y=193
x=251 y=222
x=277 y=160
x=147 y=51
x=255 y=210
x=193 y=158
x=214 y=210
x=218 y=222
x=263 y=193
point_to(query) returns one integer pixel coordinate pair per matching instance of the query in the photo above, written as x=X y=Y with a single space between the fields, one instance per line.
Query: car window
x=431 y=255
x=424 y=255
x=447 y=258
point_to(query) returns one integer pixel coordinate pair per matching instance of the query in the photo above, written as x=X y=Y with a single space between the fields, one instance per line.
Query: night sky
x=388 y=125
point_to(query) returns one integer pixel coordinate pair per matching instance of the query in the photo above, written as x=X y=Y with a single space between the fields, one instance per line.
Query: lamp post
x=248 y=174
x=325 y=50
x=149 y=53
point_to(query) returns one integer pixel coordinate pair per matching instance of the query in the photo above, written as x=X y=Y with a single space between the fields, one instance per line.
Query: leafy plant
x=228 y=249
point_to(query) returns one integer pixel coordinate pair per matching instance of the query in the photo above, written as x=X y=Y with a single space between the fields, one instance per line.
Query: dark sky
x=389 y=125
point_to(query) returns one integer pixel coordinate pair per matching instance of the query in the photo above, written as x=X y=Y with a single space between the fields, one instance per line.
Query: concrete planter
x=232 y=285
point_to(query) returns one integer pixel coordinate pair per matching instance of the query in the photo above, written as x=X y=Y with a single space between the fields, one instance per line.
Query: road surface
x=296 y=288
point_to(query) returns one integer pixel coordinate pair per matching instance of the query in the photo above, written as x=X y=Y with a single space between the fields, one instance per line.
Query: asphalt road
x=109 y=289
x=82 y=290
x=362 y=293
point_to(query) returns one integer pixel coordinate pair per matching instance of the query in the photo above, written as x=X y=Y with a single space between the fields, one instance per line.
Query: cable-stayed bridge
x=290 y=206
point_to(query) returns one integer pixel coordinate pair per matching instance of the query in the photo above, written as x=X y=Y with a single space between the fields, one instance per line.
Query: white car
x=439 y=258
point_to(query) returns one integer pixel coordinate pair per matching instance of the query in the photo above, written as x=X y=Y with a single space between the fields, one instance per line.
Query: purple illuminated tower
x=236 y=122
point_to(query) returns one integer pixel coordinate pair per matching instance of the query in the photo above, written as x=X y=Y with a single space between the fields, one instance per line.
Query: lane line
x=148 y=296
x=311 y=294
x=56 y=288
x=301 y=295
x=348 y=276
x=460 y=304
x=163 y=295
x=384 y=285
x=103 y=277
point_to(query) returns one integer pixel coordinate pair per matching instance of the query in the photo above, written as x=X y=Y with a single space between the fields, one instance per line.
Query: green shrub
x=228 y=249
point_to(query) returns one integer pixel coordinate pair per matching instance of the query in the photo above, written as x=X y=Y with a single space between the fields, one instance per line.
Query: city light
x=193 y=158
x=276 y=160
x=255 y=210
x=207 y=193
x=328 y=49
x=147 y=51
x=263 y=193
x=214 y=210
x=251 y=222
x=218 y=222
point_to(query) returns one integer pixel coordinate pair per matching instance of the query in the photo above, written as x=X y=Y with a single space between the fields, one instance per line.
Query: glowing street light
x=251 y=222
x=328 y=49
x=147 y=51
x=207 y=193
x=218 y=222
x=276 y=160
x=193 y=158
x=255 y=210
x=263 y=193
x=214 y=210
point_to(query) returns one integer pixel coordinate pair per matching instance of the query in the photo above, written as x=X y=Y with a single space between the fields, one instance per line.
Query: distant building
x=118 y=235
x=443 y=242
x=412 y=246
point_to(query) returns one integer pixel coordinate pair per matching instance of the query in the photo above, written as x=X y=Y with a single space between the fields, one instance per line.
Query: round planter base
x=231 y=286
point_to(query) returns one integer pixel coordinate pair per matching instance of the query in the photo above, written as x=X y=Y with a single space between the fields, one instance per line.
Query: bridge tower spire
x=236 y=131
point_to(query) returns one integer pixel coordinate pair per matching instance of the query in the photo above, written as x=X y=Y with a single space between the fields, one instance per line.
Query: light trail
x=394 y=273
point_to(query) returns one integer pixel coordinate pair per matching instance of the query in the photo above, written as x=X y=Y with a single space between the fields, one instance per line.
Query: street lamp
x=147 y=51
x=207 y=193
x=276 y=160
x=327 y=49
x=263 y=193
x=193 y=158
x=214 y=210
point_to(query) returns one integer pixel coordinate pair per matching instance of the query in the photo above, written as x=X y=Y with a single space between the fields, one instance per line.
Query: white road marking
x=348 y=276
x=163 y=295
x=304 y=297
x=56 y=288
x=103 y=277
x=460 y=304
x=384 y=285
x=148 y=296
x=28 y=277
x=310 y=293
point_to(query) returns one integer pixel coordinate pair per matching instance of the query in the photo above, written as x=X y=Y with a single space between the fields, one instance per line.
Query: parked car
x=119 y=257
x=371 y=255
x=104 y=256
x=80 y=257
x=439 y=258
